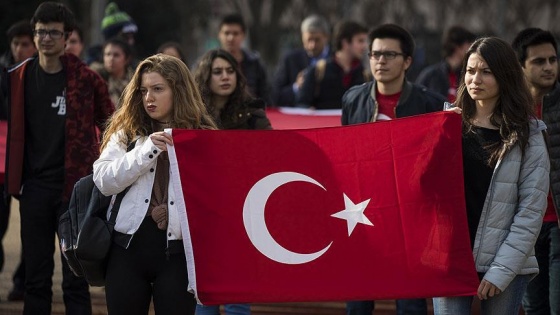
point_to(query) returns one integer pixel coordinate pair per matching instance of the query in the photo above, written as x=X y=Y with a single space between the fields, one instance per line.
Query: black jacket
x=327 y=93
x=249 y=115
x=255 y=73
x=360 y=106
x=291 y=65
x=551 y=116
x=436 y=78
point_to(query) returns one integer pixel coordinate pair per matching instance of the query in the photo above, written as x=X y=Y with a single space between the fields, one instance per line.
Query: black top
x=477 y=172
x=327 y=93
x=45 y=116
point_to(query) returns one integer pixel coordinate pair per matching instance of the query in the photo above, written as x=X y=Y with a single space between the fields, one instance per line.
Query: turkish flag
x=371 y=211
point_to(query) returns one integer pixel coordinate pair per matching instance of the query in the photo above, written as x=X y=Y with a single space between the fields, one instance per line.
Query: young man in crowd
x=55 y=104
x=537 y=52
x=325 y=82
x=232 y=32
x=444 y=76
x=390 y=96
x=20 y=39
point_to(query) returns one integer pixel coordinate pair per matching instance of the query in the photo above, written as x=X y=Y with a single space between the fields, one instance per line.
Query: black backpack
x=84 y=232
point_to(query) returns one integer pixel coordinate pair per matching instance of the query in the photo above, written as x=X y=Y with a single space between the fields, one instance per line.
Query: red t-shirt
x=538 y=110
x=387 y=104
x=452 y=92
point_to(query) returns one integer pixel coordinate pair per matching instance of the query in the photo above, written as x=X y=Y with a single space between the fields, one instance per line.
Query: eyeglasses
x=54 y=34
x=389 y=55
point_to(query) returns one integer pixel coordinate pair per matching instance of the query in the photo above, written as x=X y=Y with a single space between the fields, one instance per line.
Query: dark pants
x=40 y=208
x=19 y=275
x=543 y=292
x=143 y=271
x=4 y=220
x=404 y=307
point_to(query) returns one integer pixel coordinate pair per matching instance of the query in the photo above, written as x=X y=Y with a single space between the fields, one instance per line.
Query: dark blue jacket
x=359 y=104
x=436 y=78
x=327 y=94
x=291 y=65
x=255 y=73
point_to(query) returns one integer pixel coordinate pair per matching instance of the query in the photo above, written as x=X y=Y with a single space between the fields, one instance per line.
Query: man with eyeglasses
x=390 y=96
x=55 y=104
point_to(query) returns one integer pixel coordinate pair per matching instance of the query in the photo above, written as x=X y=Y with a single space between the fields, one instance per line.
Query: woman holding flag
x=506 y=174
x=147 y=260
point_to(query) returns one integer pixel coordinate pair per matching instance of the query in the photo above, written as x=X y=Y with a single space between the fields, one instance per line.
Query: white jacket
x=117 y=169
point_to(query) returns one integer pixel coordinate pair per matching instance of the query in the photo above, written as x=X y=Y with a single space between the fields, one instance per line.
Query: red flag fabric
x=371 y=211
x=302 y=118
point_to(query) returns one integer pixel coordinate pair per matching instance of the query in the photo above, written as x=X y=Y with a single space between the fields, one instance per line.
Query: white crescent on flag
x=255 y=225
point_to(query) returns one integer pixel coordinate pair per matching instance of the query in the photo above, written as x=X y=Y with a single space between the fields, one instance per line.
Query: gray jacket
x=513 y=211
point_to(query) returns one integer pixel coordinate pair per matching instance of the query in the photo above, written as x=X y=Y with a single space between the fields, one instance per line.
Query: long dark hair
x=514 y=107
x=203 y=75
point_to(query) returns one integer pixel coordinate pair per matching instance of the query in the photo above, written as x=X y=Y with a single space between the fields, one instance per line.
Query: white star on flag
x=353 y=214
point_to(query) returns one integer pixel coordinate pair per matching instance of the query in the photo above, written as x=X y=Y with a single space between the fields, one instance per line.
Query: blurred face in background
x=231 y=37
x=74 y=44
x=314 y=42
x=359 y=45
x=223 y=78
x=541 y=66
x=22 y=47
x=114 y=60
x=171 y=51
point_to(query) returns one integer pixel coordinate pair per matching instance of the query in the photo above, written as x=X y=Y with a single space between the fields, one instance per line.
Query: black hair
x=395 y=32
x=203 y=75
x=346 y=30
x=79 y=31
x=531 y=37
x=54 y=12
x=234 y=18
x=454 y=37
x=513 y=109
x=116 y=41
x=21 y=28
